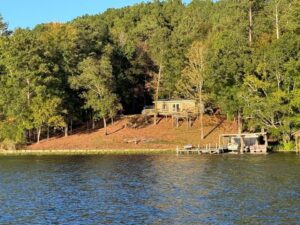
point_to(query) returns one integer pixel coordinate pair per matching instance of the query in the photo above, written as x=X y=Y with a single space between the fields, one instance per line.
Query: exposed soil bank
x=160 y=137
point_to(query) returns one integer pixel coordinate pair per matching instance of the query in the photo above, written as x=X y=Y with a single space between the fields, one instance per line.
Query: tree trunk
x=93 y=124
x=112 y=121
x=157 y=93
x=277 y=20
x=67 y=130
x=71 y=126
x=93 y=120
x=201 y=112
x=28 y=91
x=105 y=126
x=201 y=125
x=48 y=132
x=250 y=25
x=38 y=134
x=30 y=135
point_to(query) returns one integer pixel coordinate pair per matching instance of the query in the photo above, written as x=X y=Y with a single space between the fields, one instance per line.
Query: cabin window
x=176 y=108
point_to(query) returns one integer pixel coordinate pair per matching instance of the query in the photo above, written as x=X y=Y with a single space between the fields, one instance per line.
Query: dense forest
x=239 y=56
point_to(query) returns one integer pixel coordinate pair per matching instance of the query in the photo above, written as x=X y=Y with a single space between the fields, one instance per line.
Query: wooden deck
x=208 y=149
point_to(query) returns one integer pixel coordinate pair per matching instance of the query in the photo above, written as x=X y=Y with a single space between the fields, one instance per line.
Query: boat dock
x=252 y=143
x=208 y=149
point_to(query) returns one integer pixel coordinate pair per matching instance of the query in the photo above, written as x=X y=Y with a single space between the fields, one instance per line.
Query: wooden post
x=240 y=123
x=266 y=142
x=242 y=145
x=297 y=143
x=298 y=140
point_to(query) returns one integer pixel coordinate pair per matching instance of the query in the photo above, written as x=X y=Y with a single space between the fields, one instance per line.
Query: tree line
x=240 y=56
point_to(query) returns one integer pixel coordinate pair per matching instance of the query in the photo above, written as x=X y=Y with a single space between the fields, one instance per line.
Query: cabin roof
x=175 y=100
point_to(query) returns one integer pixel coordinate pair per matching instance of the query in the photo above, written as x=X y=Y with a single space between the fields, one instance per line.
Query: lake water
x=225 y=189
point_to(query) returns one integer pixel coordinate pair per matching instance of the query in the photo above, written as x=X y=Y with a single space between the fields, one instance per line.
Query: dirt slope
x=161 y=136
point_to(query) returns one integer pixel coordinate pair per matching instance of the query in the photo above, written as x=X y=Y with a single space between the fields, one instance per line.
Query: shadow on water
x=224 y=189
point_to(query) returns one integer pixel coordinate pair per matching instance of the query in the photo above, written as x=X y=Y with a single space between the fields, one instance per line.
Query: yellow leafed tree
x=193 y=77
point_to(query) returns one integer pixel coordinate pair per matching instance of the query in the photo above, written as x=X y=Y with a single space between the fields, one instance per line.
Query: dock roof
x=244 y=135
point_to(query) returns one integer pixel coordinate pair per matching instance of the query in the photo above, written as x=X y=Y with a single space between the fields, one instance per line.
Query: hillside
x=161 y=136
x=242 y=59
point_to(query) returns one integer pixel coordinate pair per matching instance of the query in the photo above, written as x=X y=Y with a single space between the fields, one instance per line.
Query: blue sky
x=28 y=13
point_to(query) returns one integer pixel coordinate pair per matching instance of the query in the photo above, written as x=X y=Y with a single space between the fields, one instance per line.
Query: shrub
x=7 y=145
x=288 y=146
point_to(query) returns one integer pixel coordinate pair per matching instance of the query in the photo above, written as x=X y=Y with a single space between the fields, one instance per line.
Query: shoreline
x=74 y=152
x=65 y=152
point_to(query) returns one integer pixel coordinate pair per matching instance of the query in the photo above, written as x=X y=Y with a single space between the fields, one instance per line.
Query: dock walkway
x=208 y=149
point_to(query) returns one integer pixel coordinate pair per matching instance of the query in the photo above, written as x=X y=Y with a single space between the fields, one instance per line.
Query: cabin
x=173 y=106
x=297 y=140
x=245 y=142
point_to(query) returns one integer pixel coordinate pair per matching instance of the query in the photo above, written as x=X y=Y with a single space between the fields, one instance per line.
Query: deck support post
x=266 y=143
x=242 y=145
x=297 y=144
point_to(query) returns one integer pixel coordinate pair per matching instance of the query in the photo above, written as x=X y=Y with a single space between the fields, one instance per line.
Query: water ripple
x=150 y=190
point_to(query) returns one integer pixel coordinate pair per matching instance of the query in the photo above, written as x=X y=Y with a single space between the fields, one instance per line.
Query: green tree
x=46 y=112
x=96 y=82
x=3 y=27
x=271 y=92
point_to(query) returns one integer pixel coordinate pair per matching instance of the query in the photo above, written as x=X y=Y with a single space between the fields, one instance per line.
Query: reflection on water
x=222 y=189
